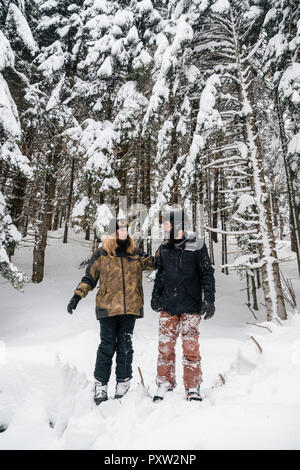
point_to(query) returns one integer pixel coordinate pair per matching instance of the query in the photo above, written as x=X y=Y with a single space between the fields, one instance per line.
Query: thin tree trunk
x=194 y=204
x=40 y=243
x=223 y=217
x=25 y=226
x=62 y=216
x=254 y=296
x=69 y=202
x=248 y=288
x=258 y=279
x=56 y=217
x=215 y=206
x=50 y=204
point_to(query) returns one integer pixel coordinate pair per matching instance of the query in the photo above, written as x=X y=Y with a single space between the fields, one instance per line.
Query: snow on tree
x=10 y=128
x=282 y=61
x=226 y=139
x=12 y=161
x=164 y=102
x=9 y=235
x=17 y=24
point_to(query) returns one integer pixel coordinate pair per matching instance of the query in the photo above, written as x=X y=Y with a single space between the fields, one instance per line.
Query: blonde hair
x=110 y=244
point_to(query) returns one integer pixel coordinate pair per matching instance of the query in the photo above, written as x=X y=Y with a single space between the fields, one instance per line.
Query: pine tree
x=12 y=163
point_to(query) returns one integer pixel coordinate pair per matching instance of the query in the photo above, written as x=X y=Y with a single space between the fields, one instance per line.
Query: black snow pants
x=116 y=336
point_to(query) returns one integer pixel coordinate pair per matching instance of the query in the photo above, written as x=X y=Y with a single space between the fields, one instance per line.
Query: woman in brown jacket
x=118 y=265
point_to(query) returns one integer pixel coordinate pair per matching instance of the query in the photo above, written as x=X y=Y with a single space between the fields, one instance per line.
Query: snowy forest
x=164 y=102
x=167 y=102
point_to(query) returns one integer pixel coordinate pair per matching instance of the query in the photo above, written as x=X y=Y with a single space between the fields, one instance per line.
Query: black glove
x=155 y=304
x=208 y=308
x=73 y=303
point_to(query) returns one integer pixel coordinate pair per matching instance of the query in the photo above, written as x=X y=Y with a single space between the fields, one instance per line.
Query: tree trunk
x=40 y=246
x=69 y=202
x=50 y=204
x=215 y=206
x=39 y=255
x=223 y=218
x=62 y=216
x=254 y=296
x=56 y=217
x=248 y=288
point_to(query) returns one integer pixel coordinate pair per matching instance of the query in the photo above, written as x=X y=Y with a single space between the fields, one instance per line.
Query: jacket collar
x=180 y=245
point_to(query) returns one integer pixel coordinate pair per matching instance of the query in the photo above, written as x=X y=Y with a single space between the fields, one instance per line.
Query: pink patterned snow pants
x=169 y=329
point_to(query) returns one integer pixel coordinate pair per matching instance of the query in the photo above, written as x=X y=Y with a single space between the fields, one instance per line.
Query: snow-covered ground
x=47 y=360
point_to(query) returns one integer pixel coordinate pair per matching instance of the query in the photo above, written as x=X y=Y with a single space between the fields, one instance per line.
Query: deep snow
x=47 y=360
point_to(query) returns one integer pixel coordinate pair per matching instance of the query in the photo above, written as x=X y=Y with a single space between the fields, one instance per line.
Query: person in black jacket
x=184 y=290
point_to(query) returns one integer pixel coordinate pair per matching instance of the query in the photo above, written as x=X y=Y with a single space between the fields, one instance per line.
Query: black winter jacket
x=184 y=275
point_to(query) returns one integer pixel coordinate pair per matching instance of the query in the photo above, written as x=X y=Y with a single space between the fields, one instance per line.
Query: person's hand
x=73 y=303
x=208 y=308
x=155 y=304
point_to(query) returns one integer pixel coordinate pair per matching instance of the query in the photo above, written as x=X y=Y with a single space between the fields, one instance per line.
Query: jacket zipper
x=123 y=285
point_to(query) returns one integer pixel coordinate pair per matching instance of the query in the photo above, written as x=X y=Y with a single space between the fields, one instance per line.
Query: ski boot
x=161 y=391
x=193 y=394
x=100 y=392
x=121 y=389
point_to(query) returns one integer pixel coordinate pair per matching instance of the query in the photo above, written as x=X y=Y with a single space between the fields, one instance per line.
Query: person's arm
x=149 y=263
x=88 y=282
x=90 y=279
x=158 y=283
x=207 y=274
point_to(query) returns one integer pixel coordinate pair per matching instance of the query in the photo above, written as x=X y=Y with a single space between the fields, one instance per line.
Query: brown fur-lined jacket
x=120 y=278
